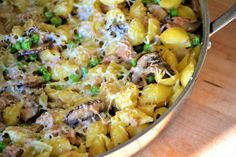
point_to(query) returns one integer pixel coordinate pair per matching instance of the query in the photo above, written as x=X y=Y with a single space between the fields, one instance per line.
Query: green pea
x=173 y=12
x=35 y=38
x=78 y=38
x=196 y=40
x=33 y=57
x=42 y=70
x=72 y=45
x=94 y=90
x=74 y=78
x=56 y=21
x=26 y=45
x=17 y=46
x=147 y=47
x=157 y=1
x=84 y=71
x=20 y=58
x=47 y=77
x=151 y=79
x=48 y=15
x=95 y=61
x=2 y=146
x=134 y=62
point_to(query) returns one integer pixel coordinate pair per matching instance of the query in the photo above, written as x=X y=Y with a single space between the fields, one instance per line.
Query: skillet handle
x=222 y=21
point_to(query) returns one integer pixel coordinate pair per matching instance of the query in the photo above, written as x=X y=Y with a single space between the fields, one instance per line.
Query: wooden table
x=206 y=123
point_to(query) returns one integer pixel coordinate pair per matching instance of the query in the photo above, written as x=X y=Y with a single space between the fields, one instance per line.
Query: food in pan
x=79 y=77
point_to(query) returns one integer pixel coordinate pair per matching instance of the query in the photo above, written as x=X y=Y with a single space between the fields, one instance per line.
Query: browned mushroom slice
x=150 y=63
x=6 y=99
x=12 y=151
x=188 y=25
x=157 y=11
x=33 y=81
x=85 y=114
x=196 y=6
x=30 y=108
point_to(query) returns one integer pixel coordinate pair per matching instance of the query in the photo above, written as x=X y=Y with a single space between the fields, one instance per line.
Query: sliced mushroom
x=30 y=108
x=12 y=151
x=195 y=6
x=157 y=11
x=46 y=120
x=118 y=29
x=188 y=25
x=33 y=81
x=150 y=63
x=6 y=99
x=85 y=114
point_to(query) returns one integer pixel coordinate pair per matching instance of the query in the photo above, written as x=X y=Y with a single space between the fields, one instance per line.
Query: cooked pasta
x=79 y=77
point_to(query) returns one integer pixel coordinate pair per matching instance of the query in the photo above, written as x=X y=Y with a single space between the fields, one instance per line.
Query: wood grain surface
x=205 y=126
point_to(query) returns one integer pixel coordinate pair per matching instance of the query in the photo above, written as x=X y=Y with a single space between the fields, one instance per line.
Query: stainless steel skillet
x=208 y=29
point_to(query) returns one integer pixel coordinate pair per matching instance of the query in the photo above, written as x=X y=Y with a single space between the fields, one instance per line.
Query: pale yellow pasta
x=98 y=146
x=37 y=149
x=154 y=94
x=187 y=73
x=49 y=56
x=133 y=117
x=114 y=71
x=73 y=154
x=47 y=27
x=22 y=5
x=133 y=131
x=127 y=96
x=95 y=130
x=59 y=145
x=138 y=10
x=118 y=132
x=111 y=2
x=63 y=69
x=169 y=81
x=159 y=112
x=66 y=95
x=11 y=114
x=153 y=29
x=175 y=37
x=136 y=32
x=176 y=91
x=18 y=135
x=63 y=8
x=148 y=109
x=169 y=4
x=115 y=14
x=186 y=12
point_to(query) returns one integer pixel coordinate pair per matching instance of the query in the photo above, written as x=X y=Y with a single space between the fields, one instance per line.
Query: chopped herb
x=26 y=45
x=74 y=78
x=94 y=90
x=95 y=61
x=151 y=79
x=157 y=1
x=33 y=57
x=56 y=21
x=173 y=12
x=84 y=71
x=2 y=146
x=78 y=38
x=196 y=40
x=47 y=77
x=20 y=58
x=42 y=69
x=35 y=38
x=147 y=47
x=133 y=62
x=48 y=15
x=72 y=44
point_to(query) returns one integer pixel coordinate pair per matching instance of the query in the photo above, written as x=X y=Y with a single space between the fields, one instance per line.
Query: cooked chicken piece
x=85 y=113
x=12 y=151
x=188 y=25
x=125 y=51
x=157 y=11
